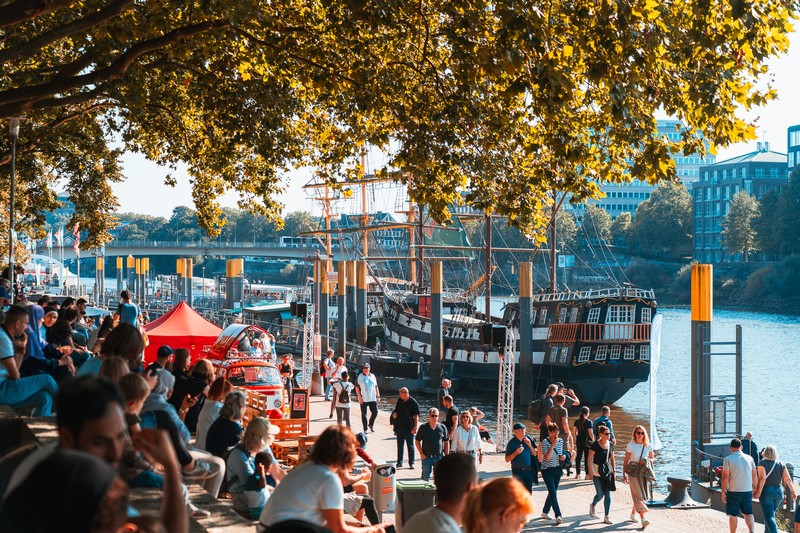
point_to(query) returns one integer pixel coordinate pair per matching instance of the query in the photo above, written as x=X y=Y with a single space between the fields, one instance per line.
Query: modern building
x=793 y=144
x=626 y=197
x=755 y=173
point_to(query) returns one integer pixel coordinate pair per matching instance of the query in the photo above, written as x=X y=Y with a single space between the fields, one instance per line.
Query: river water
x=771 y=358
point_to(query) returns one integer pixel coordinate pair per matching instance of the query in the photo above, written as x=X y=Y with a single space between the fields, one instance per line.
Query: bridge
x=204 y=248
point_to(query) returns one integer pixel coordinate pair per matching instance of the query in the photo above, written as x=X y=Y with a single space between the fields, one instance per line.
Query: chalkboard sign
x=298 y=407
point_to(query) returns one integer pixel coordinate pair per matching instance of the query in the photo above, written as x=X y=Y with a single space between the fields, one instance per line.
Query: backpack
x=536 y=410
x=344 y=394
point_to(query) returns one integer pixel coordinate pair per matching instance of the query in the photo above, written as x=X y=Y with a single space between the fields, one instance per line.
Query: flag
x=49 y=241
x=60 y=237
x=77 y=234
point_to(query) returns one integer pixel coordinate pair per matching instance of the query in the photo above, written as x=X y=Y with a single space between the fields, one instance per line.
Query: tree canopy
x=737 y=225
x=498 y=103
x=663 y=222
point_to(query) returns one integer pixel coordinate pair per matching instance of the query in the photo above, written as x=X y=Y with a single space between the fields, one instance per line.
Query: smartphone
x=390 y=528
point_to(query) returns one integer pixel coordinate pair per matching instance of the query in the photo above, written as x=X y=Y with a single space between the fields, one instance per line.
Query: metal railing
x=598 y=332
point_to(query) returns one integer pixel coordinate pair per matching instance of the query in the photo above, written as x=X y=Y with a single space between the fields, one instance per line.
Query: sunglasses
x=638 y=432
x=434 y=416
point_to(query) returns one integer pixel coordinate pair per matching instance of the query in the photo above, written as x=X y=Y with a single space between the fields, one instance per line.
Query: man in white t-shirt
x=455 y=476
x=368 y=396
x=327 y=366
x=738 y=480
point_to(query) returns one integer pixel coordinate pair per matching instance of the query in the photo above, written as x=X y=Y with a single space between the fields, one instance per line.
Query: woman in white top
x=341 y=398
x=467 y=438
x=638 y=449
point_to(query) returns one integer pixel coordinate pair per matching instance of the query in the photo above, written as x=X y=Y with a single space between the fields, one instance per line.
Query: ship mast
x=553 y=251
x=488 y=306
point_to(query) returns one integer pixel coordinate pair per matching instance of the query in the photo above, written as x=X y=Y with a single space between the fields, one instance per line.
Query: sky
x=135 y=194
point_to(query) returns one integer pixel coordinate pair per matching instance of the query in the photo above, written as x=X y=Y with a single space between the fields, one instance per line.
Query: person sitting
x=36 y=391
x=311 y=496
x=227 y=430
x=502 y=504
x=40 y=357
x=195 y=386
x=123 y=341
x=217 y=391
x=248 y=481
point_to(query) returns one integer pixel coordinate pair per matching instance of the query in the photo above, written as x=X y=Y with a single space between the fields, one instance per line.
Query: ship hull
x=600 y=359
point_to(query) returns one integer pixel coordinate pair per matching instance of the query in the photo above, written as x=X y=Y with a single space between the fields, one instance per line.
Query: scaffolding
x=309 y=338
x=505 y=393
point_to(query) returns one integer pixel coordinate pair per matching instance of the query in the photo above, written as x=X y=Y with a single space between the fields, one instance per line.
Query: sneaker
x=607 y=520
x=645 y=523
x=399 y=465
x=196 y=512
x=559 y=521
x=634 y=518
x=591 y=511
x=372 y=429
x=411 y=466
x=545 y=516
x=201 y=470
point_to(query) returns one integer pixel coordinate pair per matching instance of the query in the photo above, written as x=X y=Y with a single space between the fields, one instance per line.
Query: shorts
x=739 y=502
x=797 y=515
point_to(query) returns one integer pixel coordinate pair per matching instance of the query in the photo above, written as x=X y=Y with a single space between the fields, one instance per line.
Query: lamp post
x=13 y=132
x=204 y=284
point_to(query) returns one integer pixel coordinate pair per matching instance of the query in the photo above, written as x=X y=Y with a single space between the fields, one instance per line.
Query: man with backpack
x=341 y=398
x=605 y=420
x=538 y=409
x=406 y=419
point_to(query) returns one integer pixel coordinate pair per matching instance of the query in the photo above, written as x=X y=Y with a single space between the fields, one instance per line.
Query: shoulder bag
x=607 y=480
x=633 y=469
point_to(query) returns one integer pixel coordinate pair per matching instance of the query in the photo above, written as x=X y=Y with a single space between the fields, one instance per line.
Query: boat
x=595 y=341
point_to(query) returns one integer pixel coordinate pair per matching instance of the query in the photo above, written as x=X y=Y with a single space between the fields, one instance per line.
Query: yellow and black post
x=180 y=268
x=351 y=301
x=99 y=279
x=702 y=303
x=188 y=272
x=324 y=302
x=341 y=293
x=361 y=303
x=131 y=263
x=437 y=348
x=525 y=335
x=119 y=274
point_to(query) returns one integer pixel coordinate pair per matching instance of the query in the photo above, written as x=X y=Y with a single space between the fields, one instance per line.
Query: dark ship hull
x=596 y=342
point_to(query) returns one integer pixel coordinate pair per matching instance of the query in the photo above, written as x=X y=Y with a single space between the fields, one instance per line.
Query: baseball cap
x=365 y=365
x=164 y=351
x=559 y=385
x=519 y=425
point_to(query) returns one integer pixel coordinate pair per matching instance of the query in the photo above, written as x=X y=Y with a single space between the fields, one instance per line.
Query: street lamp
x=13 y=132
x=204 y=284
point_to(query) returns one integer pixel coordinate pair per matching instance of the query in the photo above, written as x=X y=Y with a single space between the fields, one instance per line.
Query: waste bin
x=413 y=496
x=382 y=486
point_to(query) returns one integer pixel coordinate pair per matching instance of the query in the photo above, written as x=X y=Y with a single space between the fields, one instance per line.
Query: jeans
x=771 y=500
x=524 y=476
x=373 y=407
x=601 y=494
x=405 y=437
x=37 y=391
x=428 y=464
x=328 y=390
x=551 y=477
x=582 y=453
x=343 y=413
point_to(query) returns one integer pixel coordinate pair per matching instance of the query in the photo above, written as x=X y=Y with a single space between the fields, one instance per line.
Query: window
x=543 y=317
x=620 y=314
x=600 y=355
x=573 y=315
x=533 y=316
x=585 y=354
x=615 y=352
x=564 y=354
x=562 y=315
x=594 y=315
x=647 y=314
x=629 y=353
x=644 y=353
x=553 y=354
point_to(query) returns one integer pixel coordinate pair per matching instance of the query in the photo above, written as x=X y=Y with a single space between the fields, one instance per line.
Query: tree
x=596 y=224
x=566 y=232
x=737 y=226
x=136 y=227
x=663 y=222
x=182 y=226
x=298 y=221
x=766 y=224
x=620 y=227
x=498 y=103
x=788 y=207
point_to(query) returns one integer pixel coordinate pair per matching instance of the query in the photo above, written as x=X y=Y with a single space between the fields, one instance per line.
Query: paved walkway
x=574 y=495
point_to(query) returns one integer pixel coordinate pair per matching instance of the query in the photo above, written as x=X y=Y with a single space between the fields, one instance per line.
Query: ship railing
x=611 y=292
x=598 y=332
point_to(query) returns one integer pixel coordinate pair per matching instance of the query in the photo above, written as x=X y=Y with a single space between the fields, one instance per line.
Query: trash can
x=382 y=486
x=413 y=496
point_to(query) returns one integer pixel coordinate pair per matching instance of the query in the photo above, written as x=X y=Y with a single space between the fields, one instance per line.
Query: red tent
x=182 y=327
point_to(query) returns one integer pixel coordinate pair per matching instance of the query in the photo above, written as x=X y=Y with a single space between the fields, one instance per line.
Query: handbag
x=607 y=479
x=634 y=469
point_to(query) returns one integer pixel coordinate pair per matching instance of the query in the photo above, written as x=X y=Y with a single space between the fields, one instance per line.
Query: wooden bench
x=291 y=428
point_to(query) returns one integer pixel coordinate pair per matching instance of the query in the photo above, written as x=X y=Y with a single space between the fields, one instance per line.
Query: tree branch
x=20 y=100
x=24 y=10
x=29 y=48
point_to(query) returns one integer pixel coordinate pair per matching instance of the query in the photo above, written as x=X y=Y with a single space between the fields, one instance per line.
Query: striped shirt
x=557 y=452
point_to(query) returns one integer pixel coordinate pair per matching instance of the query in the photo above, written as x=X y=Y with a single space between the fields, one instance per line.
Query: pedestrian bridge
x=205 y=248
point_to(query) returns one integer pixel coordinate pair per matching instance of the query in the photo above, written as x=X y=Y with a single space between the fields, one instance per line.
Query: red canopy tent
x=181 y=327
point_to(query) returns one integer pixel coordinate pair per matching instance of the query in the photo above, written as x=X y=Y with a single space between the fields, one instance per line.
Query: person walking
x=739 y=478
x=551 y=451
x=433 y=442
x=406 y=419
x=326 y=366
x=584 y=437
x=521 y=452
x=341 y=398
x=601 y=463
x=334 y=375
x=547 y=404
x=638 y=451
x=772 y=476
x=443 y=391
x=605 y=420
x=450 y=415
x=368 y=396
x=467 y=438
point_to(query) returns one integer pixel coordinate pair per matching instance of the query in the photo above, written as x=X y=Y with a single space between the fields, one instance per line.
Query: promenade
x=574 y=495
